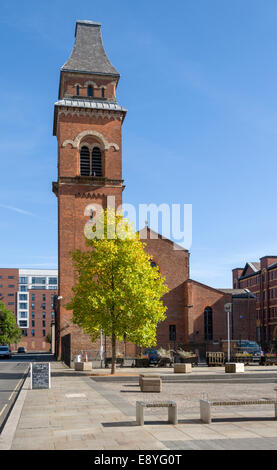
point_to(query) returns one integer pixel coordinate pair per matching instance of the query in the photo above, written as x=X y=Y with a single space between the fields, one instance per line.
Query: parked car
x=250 y=347
x=153 y=355
x=21 y=350
x=5 y=352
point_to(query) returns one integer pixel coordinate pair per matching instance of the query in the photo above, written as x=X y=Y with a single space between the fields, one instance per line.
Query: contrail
x=16 y=209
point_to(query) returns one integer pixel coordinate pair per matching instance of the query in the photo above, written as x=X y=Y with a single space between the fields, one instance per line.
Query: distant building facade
x=261 y=279
x=30 y=295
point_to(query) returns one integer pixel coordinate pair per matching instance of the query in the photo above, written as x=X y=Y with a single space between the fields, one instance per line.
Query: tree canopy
x=117 y=289
x=9 y=331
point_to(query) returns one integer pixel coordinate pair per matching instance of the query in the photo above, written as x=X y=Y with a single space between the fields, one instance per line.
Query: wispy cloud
x=17 y=209
x=24 y=212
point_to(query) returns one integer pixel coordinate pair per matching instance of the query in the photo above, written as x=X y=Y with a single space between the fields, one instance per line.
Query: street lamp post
x=101 y=348
x=228 y=309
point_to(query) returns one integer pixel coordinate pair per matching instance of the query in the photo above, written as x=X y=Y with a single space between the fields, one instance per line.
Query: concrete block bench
x=234 y=367
x=150 y=384
x=171 y=405
x=148 y=376
x=182 y=368
x=205 y=406
x=83 y=365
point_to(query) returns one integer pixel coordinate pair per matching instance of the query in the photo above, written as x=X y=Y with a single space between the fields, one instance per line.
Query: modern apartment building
x=29 y=294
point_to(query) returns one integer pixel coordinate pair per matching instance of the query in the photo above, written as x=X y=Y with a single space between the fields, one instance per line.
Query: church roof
x=238 y=293
x=88 y=54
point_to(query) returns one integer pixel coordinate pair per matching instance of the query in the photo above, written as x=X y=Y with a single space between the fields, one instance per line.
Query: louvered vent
x=96 y=162
x=84 y=161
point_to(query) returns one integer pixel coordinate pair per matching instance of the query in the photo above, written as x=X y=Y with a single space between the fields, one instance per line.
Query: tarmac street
x=79 y=412
x=12 y=374
x=11 y=378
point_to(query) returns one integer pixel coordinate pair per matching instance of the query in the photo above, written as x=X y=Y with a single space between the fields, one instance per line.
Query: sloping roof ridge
x=162 y=237
x=204 y=285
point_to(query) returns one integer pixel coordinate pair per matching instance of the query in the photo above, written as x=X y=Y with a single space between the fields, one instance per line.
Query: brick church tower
x=87 y=124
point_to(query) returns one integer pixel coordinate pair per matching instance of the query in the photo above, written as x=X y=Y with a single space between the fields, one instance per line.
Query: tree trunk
x=113 y=353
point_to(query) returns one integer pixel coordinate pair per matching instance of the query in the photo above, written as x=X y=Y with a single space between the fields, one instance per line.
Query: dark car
x=5 y=352
x=21 y=350
x=153 y=355
x=250 y=347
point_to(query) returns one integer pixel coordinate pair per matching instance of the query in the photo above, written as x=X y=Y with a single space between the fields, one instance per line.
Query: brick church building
x=87 y=124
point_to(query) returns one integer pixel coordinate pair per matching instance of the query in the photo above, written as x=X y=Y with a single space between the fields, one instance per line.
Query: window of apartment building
x=33 y=323
x=23 y=314
x=1 y=285
x=43 y=333
x=33 y=314
x=43 y=297
x=53 y=280
x=43 y=323
x=52 y=314
x=33 y=306
x=23 y=305
x=43 y=314
x=23 y=297
x=24 y=332
x=172 y=332
x=23 y=323
x=43 y=306
x=208 y=323
x=10 y=295
x=33 y=296
x=23 y=280
x=39 y=280
x=11 y=286
x=33 y=332
x=10 y=277
x=10 y=303
x=23 y=288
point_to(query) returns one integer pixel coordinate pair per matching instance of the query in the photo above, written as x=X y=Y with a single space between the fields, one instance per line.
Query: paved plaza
x=81 y=412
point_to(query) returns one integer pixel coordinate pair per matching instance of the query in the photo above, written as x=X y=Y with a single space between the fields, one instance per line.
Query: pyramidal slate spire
x=88 y=54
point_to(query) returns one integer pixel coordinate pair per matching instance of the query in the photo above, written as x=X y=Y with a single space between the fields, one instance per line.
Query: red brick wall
x=69 y=82
x=5 y=290
x=74 y=196
x=174 y=265
x=242 y=319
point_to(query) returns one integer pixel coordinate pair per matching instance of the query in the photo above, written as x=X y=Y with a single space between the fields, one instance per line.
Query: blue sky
x=199 y=81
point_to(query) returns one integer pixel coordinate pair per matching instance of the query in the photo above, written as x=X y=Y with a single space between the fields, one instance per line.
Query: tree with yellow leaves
x=117 y=289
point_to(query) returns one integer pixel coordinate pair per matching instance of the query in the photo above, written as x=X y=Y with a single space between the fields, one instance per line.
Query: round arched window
x=90 y=161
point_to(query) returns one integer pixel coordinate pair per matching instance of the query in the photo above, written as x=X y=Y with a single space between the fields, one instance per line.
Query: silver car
x=5 y=352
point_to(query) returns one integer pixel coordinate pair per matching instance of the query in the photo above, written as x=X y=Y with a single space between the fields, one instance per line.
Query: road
x=12 y=375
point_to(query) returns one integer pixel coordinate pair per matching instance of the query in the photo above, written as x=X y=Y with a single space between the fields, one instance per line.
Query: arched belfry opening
x=91 y=163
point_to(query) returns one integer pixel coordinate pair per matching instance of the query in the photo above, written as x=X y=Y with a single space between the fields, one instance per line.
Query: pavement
x=82 y=412
x=11 y=378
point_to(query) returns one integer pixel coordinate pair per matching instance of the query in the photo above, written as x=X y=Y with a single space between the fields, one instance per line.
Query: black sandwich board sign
x=40 y=375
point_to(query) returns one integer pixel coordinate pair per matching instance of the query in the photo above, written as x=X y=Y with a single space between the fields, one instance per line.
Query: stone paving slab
x=104 y=418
